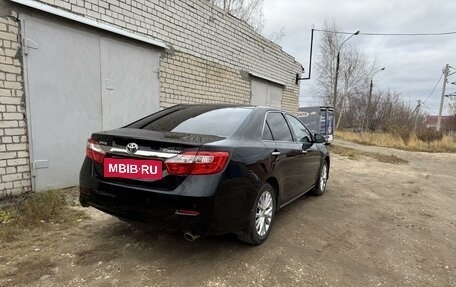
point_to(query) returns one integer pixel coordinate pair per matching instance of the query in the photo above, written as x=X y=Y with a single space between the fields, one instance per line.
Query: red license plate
x=133 y=168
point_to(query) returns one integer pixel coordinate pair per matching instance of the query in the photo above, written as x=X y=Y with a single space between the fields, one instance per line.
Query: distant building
x=448 y=123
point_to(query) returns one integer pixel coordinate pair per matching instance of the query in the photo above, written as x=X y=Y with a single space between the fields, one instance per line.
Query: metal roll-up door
x=266 y=93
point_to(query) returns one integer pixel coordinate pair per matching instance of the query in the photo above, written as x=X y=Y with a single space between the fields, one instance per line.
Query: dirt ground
x=379 y=224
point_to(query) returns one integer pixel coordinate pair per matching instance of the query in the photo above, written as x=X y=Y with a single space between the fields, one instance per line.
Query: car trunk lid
x=150 y=145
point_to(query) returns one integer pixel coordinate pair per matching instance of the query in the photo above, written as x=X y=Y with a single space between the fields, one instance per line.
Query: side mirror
x=320 y=139
x=306 y=143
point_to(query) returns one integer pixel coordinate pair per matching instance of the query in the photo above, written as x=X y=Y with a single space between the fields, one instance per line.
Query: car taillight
x=94 y=151
x=193 y=163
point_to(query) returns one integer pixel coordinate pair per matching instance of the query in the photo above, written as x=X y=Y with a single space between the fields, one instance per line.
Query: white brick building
x=72 y=67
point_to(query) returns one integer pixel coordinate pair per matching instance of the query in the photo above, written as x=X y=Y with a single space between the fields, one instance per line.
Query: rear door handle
x=275 y=153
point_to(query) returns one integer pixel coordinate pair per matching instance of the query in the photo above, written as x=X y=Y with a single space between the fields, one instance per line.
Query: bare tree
x=326 y=63
x=354 y=70
x=386 y=111
x=452 y=111
x=277 y=37
x=250 y=11
x=452 y=106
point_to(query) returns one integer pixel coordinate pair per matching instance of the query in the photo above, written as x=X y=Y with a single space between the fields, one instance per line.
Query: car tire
x=320 y=185
x=261 y=217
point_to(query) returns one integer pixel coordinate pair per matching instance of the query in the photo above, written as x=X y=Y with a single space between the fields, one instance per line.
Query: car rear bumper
x=217 y=202
x=150 y=207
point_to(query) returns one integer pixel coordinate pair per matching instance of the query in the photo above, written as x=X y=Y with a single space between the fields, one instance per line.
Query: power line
x=432 y=111
x=391 y=34
x=430 y=94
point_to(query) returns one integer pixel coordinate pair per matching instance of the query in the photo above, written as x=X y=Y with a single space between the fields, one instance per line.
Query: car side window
x=279 y=127
x=267 y=135
x=299 y=130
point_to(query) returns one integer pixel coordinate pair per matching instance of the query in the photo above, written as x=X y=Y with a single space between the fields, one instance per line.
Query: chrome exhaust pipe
x=190 y=236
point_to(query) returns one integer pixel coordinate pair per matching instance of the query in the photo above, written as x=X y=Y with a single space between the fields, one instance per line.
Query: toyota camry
x=205 y=169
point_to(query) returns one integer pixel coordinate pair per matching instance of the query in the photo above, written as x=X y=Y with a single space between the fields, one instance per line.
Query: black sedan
x=205 y=169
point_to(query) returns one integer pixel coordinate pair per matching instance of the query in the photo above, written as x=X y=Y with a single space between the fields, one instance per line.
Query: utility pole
x=445 y=78
x=369 y=99
x=337 y=68
x=335 y=81
x=417 y=113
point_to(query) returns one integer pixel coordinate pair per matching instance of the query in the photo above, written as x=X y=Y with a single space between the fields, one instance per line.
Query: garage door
x=266 y=93
x=80 y=81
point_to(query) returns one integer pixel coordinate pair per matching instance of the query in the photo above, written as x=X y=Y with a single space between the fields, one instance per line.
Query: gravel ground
x=379 y=224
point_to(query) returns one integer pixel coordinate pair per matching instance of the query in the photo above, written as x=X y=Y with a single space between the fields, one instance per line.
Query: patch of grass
x=43 y=206
x=35 y=210
x=5 y=216
x=356 y=154
x=388 y=158
x=412 y=143
x=345 y=151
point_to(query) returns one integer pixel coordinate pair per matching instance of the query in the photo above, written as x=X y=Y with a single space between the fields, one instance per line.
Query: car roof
x=220 y=105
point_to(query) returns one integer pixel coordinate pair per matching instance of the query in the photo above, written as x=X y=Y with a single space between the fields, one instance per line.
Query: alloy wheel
x=323 y=177
x=263 y=217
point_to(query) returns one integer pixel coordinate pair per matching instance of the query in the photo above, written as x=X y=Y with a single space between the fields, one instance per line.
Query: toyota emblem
x=132 y=148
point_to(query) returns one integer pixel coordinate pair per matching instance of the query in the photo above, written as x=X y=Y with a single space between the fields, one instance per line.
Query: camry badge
x=132 y=147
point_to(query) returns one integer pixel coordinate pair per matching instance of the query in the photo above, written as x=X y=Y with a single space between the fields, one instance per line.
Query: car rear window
x=205 y=120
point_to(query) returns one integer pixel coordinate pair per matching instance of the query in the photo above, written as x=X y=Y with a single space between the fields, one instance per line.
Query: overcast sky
x=413 y=63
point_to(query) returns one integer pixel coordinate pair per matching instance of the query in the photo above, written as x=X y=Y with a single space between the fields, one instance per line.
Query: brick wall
x=186 y=78
x=199 y=33
x=210 y=57
x=14 y=162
